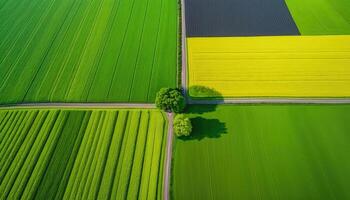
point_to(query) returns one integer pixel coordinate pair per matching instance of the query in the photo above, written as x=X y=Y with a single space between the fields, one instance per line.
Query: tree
x=170 y=100
x=182 y=125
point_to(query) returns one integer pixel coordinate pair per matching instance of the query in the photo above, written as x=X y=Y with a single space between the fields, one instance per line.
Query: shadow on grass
x=204 y=95
x=206 y=128
x=204 y=92
x=200 y=109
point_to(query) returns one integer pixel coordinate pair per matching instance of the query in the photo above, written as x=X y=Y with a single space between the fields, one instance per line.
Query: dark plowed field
x=238 y=18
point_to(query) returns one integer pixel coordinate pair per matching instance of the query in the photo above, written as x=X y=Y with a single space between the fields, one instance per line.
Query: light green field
x=264 y=152
x=78 y=50
x=87 y=154
x=321 y=17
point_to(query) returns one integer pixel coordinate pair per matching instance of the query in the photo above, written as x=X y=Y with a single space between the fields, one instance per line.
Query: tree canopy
x=170 y=100
x=182 y=125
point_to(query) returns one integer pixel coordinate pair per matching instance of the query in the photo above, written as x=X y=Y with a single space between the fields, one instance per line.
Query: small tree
x=182 y=125
x=170 y=100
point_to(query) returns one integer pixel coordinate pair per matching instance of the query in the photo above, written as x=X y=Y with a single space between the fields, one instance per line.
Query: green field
x=86 y=51
x=264 y=152
x=86 y=154
x=321 y=17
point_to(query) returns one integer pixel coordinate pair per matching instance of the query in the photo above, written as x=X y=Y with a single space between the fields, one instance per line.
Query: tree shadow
x=207 y=97
x=204 y=92
x=205 y=128
x=200 y=109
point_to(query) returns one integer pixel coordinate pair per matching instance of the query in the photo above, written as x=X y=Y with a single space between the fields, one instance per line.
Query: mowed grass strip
x=264 y=152
x=87 y=51
x=85 y=154
x=321 y=17
x=289 y=66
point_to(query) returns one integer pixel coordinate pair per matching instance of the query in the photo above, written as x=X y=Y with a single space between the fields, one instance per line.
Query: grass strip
x=135 y=177
x=96 y=181
x=4 y=122
x=113 y=156
x=60 y=158
x=128 y=156
x=147 y=162
x=17 y=183
x=6 y=160
x=89 y=164
x=69 y=166
x=162 y=164
x=12 y=133
x=2 y=116
x=7 y=177
x=6 y=130
x=45 y=156
x=121 y=158
x=154 y=173
x=91 y=188
x=80 y=162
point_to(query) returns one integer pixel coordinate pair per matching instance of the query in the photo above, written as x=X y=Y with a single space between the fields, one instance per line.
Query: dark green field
x=86 y=51
x=264 y=152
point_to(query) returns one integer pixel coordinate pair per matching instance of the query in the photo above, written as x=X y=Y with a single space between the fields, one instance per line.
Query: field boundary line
x=184 y=50
x=77 y=105
x=272 y=101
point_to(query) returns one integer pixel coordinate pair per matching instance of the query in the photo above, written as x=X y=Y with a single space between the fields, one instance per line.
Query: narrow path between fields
x=183 y=50
x=77 y=105
x=272 y=101
x=169 y=147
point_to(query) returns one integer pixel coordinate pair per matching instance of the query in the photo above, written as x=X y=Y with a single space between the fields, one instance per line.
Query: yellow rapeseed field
x=283 y=66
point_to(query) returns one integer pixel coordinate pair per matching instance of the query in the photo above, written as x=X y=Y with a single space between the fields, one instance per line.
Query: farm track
x=183 y=49
x=77 y=105
x=272 y=101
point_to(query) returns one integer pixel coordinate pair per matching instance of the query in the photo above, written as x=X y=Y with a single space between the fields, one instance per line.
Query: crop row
x=61 y=154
